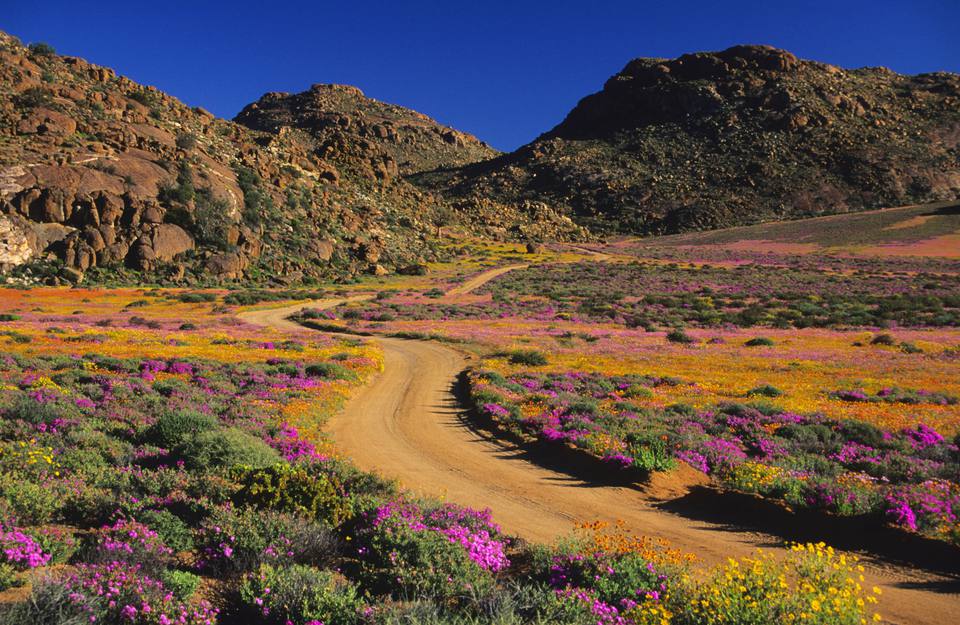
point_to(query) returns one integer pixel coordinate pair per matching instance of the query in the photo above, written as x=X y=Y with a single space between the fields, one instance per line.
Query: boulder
x=169 y=240
x=323 y=248
x=227 y=265
x=47 y=122
x=15 y=248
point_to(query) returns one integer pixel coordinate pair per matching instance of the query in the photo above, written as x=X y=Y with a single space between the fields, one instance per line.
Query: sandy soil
x=482 y=278
x=409 y=424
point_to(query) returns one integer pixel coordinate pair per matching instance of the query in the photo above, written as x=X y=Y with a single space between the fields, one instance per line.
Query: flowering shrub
x=896 y=396
x=239 y=540
x=131 y=542
x=814 y=584
x=300 y=595
x=930 y=507
x=120 y=593
x=21 y=550
x=447 y=552
x=18 y=552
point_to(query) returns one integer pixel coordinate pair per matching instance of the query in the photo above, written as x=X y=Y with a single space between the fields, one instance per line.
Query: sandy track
x=408 y=424
x=482 y=278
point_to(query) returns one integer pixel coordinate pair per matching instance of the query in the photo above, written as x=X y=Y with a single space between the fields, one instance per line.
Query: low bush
x=679 y=336
x=329 y=371
x=240 y=540
x=225 y=448
x=765 y=390
x=528 y=357
x=297 y=489
x=178 y=428
x=300 y=594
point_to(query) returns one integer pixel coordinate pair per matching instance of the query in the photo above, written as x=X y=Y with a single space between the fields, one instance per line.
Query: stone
x=71 y=275
x=152 y=214
x=169 y=240
x=47 y=122
x=15 y=248
x=323 y=248
x=226 y=265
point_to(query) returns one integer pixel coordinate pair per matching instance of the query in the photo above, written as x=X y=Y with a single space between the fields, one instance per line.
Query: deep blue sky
x=505 y=71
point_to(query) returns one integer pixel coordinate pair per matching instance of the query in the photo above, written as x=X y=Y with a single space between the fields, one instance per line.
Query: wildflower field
x=824 y=382
x=161 y=461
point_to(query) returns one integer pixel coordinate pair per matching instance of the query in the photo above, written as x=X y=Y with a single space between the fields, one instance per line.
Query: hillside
x=741 y=136
x=930 y=231
x=111 y=181
x=373 y=140
x=392 y=139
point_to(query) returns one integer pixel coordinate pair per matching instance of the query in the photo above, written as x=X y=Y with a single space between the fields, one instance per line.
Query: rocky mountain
x=348 y=126
x=103 y=178
x=369 y=139
x=740 y=136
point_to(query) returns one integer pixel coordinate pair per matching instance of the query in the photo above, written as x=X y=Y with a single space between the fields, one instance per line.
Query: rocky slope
x=391 y=140
x=726 y=138
x=369 y=139
x=103 y=178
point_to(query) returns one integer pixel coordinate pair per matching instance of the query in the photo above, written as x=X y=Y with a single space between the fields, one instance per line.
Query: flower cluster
x=22 y=550
x=122 y=593
x=473 y=530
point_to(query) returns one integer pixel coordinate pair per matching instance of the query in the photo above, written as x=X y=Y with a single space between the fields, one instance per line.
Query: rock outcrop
x=118 y=179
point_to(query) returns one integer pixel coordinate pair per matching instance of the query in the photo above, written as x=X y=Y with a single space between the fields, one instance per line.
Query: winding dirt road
x=409 y=425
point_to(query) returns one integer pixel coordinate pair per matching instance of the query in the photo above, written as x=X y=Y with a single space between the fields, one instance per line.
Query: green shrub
x=884 y=339
x=49 y=603
x=765 y=390
x=174 y=429
x=196 y=298
x=679 y=336
x=186 y=141
x=910 y=348
x=300 y=594
x=40 y=48
x=526 y=357
x=182 y=584
x=637 y=391
x=10 y=577
x=649 y=452
x=172 y=530
x=9 y=317
x=330 y=371
x=759 y=341
x=240 y=540
x=291 y=489
x=31 y=503
x=227 y=448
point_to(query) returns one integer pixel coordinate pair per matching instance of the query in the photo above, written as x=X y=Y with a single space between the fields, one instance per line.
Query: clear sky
x=505 y=71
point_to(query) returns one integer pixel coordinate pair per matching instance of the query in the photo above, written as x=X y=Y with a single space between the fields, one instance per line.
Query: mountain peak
x=348 y=125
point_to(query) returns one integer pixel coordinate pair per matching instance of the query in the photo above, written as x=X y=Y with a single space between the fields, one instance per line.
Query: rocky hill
x=351 y=127
x=369 y=139
x=105 y=179
x=740 y=136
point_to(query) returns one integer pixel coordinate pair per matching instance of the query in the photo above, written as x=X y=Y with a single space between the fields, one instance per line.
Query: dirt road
x=408 y=424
